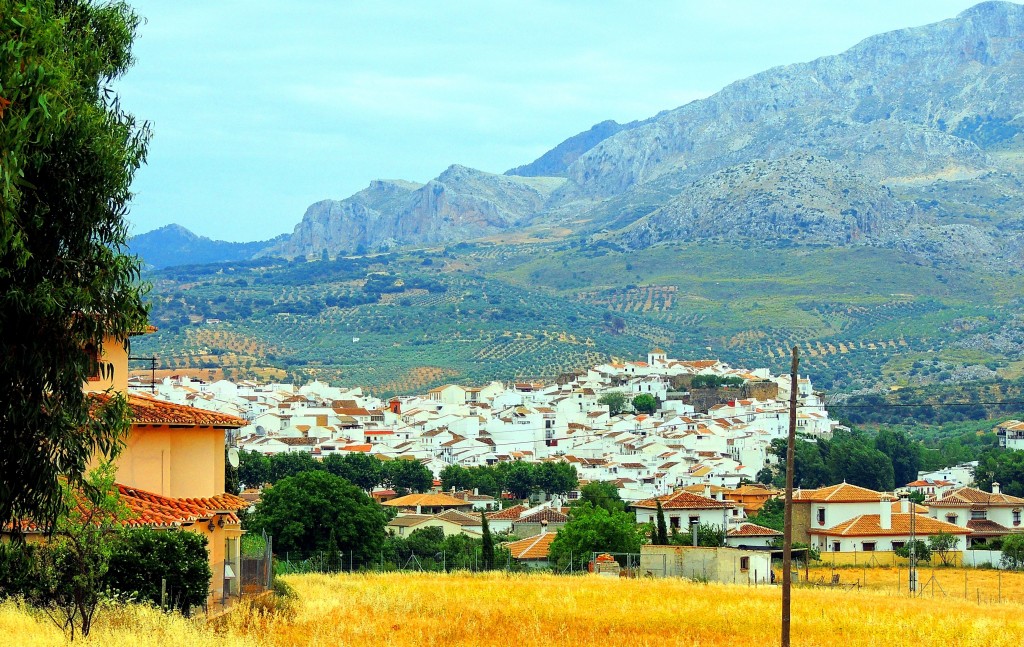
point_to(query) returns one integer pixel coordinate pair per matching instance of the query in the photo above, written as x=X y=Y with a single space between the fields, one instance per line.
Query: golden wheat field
x=499 y=609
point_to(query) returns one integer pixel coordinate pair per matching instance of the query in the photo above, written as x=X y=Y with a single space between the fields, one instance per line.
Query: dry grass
x=496 y=609
x=972 y=584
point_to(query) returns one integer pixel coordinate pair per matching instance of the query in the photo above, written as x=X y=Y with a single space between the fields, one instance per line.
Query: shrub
x=144 y=558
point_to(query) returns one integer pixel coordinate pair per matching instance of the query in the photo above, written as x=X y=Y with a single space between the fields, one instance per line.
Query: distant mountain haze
x=912 y=139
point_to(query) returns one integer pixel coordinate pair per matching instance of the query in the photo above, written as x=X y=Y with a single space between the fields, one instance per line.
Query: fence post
x=163 y=593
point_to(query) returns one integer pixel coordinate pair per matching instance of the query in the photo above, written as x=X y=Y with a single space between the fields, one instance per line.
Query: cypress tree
x=661 y=536
x=487 y=550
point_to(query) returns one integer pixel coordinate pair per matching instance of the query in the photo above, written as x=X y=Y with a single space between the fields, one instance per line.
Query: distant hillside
x=174 y=245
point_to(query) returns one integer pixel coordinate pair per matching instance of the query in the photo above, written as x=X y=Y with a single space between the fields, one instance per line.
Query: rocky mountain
x=174 y=245
x=460 y=204
x=904 y=140
x=801 y=196
x=556 y=161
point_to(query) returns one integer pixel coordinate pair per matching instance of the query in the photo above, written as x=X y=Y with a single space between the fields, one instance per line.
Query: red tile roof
x=532 y=547
x=753 y=530
x=508 y=514
x=869 y=525
x=150 y=411
x=545 y=514
x=967 y=496
x=682 y=500
x=842 y=493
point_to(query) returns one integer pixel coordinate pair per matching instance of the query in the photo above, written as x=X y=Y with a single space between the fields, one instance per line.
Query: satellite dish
x=233 y=457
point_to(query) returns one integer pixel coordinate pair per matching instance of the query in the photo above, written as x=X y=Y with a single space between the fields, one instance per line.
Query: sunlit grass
x=499 y=609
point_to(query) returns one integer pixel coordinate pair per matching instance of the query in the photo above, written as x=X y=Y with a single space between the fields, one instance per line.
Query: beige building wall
x=115 y=354
x=197 y=454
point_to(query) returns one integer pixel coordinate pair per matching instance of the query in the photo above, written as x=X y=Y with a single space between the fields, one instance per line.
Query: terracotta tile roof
x=427 y=500
x=868 y=525
x=409 y=520
x=151 y=509
x=753 y=530
x=966 y=496
x=984 y=527
x=842 y=493
x=682 y=500
x=150 y=411
x=532 y=547
x=545 y=514
x=461 y=518
x=508 y=514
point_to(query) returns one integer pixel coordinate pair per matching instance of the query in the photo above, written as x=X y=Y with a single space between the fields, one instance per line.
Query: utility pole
x=787 y=535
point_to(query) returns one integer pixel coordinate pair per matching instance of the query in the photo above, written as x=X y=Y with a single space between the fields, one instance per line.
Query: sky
x=260 y=109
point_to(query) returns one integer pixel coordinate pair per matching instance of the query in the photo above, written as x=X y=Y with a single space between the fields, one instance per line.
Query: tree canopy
x=592 y=529
x=615 y=400
x=315 y=511
x=67 y=156
x=645 y=403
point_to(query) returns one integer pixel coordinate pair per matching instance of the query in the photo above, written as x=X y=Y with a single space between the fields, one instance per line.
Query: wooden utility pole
x=787 y=535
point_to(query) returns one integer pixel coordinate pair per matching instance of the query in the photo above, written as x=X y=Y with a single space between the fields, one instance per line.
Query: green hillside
x=862 y=316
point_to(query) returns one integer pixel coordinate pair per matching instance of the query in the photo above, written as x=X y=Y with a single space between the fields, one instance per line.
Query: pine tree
x=487 y=550
x=661 y=537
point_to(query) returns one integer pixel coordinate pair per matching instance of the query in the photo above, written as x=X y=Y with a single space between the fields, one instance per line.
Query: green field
x=473 y=312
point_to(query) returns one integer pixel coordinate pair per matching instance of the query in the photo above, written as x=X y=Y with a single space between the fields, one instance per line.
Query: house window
x=835 y=546
x=744 y=563
x=1016 y=517
x=896 y=545
x=673 y=522
x=869 y=546
x=821 y=516
x=951 y=518
x=92 y=354
x=695 y=521
x=979 y=514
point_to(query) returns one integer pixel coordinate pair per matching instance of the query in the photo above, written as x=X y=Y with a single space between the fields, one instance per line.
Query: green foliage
x=645 y=403
x=486 y=544
x=302 y=511
x=143 y=557
x=288 y=464
x=771 y=515
x=615 y=400
x=520 y=478
x=710 y=535
x=591 y=529
x=601 y=494
x=715 y=381
x=407 y=476
x=903 y=453
x=922 y=551
x=71 y=568
x=661 y=528
x=1005 y=467
x=253 y=468
x=67 y=157
x=360 y=469
x=848 y=456
x=1013 y=552
x=942 y=545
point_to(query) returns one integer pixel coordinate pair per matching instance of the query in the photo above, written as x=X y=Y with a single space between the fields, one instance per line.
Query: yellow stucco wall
x=114 y=353
x=197 y=454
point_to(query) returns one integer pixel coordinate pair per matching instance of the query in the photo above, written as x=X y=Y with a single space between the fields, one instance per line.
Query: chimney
x=995 y=488
x=707 y=490
x=885 y=512
x=543 y=526
x=905 y=504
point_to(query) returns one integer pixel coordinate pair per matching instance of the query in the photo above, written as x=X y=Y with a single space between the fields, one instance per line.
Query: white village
x=698 y=454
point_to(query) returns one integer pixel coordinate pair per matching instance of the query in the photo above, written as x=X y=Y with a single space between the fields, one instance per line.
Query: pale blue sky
x=261 y=108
